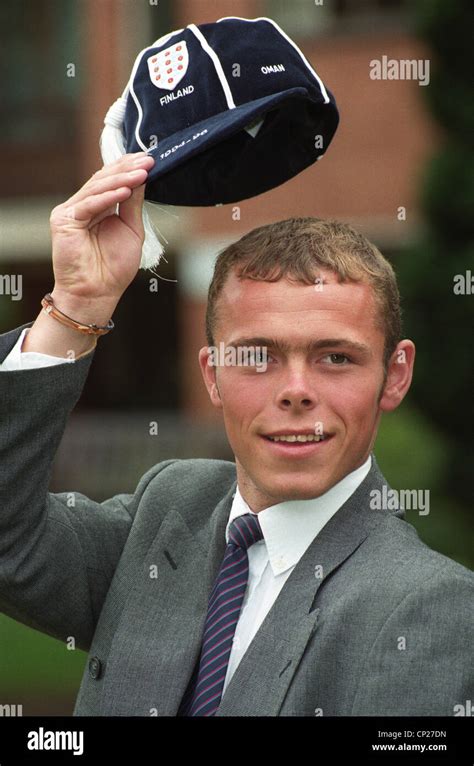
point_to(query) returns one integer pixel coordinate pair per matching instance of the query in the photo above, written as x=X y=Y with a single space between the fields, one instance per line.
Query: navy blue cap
x=228 y=110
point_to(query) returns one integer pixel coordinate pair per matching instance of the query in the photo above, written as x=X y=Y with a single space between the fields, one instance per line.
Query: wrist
x=63 y=338
x=47 y=336
x=85 y=309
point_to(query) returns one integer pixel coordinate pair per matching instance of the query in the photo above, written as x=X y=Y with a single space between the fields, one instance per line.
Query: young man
x=270 y=587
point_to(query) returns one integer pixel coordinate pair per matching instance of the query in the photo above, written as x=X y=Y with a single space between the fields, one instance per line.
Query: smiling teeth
x=299 y=438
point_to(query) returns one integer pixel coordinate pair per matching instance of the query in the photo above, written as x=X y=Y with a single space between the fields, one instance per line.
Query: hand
x=97 y=251
x=96 y=254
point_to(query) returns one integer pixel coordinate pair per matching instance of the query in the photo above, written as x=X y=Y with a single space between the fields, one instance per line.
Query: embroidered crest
x=168 y=67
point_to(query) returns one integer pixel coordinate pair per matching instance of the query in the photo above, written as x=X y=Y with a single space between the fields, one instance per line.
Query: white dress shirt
x=288 y=530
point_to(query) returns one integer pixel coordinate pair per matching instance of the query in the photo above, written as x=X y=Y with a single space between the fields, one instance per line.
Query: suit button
x=95 y=667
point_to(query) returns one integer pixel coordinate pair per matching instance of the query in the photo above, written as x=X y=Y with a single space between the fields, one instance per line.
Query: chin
x=294 y=490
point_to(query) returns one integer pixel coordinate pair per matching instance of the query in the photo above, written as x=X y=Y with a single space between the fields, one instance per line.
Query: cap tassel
x=112 y=140
x=112 y=147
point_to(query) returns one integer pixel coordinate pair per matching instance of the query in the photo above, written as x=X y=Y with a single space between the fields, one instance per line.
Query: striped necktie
x=204 y=692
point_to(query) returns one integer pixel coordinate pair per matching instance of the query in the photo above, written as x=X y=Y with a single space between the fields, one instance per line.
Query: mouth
x=296 y=443
x=299 y=438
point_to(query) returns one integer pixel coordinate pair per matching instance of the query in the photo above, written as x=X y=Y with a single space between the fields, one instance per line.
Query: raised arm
x=58 y=552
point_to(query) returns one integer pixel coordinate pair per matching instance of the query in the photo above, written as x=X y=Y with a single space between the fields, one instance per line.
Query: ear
x=209 y=370
x=399 y=375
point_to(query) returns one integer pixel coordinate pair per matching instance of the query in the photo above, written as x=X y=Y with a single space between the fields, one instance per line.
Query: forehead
x=247 y=307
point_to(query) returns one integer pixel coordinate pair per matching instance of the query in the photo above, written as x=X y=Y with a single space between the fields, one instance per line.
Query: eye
x=251 y=357
x=338 y=360
x=259 y=357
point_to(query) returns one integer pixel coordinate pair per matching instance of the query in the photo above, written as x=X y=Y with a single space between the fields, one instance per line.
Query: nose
x=297 y=392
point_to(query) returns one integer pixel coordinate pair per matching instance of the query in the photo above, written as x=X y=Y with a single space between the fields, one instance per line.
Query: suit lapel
x=163 y=620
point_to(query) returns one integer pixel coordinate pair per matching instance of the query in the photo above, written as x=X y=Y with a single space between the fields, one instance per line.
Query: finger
x=125 y=163
x=86 y=210
x=105 y=214
x=113 y=181
x=130 y=211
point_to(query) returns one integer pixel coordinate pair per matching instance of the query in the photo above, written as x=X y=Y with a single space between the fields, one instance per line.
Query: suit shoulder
x=200 y=469
x=408 y=559
x=183 y=481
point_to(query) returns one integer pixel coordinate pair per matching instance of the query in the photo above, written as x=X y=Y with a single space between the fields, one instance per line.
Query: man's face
x=324 y=375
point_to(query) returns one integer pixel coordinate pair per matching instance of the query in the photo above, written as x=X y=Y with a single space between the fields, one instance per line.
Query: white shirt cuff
x=28 y=360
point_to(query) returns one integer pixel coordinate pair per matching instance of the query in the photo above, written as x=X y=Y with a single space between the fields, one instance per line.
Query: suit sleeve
x=58 y=551
x=420 y=663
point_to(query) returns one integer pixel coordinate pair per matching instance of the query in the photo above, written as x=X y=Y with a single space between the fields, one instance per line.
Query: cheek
x=354 y=402
x=360 y=408
x=243 y=398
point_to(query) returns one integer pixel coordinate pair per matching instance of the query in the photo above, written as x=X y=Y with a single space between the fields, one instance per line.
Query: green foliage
x=33 y=661
x=447 y=28
x=411 y=452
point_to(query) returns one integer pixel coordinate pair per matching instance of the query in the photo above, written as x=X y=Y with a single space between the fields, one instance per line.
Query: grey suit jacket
x=385 y=630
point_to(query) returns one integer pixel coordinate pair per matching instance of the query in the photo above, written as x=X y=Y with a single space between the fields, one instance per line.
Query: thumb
x=130 y=211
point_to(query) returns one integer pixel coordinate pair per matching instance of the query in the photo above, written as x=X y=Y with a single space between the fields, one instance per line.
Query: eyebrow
x=311 y=346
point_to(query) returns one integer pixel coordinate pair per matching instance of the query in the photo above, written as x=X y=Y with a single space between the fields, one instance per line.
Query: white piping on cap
x=217 y=64
x=288 y=39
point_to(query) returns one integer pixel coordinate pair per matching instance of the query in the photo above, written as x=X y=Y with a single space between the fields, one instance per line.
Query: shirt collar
x=291 y=526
